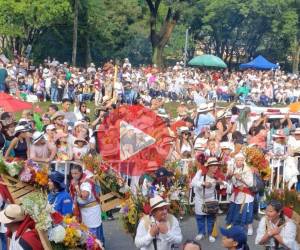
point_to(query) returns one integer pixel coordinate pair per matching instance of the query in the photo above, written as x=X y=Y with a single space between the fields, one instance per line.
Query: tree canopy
x=152 y=31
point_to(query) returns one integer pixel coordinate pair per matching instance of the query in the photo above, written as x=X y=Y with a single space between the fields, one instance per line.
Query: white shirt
x=247 y=177
x=91 y=216
x=14 y=243
x=210 y=193
x=144 y=241
x=288 y=233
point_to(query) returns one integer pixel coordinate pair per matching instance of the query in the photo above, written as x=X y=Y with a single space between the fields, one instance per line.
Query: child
x=80 y=149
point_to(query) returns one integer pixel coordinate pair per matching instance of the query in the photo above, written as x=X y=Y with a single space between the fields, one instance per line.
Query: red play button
x=134 y=140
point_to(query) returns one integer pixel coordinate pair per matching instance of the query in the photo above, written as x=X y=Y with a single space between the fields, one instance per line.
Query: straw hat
x=57 y=114
x=157 y=202
x=226 y=145
x=203 y=108
x=37 y=136
x=212 y=161
x=12 y=213
x=22 y=128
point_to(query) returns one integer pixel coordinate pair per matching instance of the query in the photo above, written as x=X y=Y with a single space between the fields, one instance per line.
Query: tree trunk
x=75 y=32
x=157 y=56
x=88 y=56
x=296 y=58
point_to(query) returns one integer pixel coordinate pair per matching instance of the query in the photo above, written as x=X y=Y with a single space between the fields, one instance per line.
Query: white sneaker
x=199 y=237
x=211 y=239
x=250 y=231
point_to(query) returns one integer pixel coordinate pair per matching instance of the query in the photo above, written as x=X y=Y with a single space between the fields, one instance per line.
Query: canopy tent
x=259 y=63
x=207 y=61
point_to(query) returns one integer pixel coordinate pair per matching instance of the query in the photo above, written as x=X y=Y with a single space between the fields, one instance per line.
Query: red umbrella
x=11 y=104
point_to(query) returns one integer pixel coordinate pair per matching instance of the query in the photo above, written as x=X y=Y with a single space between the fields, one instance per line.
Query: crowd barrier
x=277 y=179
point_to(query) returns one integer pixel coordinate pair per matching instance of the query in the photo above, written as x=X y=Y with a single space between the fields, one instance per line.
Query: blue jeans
x=98 y=232
x=3 y=241
x=54 y=94
x=205 y=219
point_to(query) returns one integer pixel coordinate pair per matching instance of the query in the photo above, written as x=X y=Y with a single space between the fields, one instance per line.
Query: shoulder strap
x=204 y=178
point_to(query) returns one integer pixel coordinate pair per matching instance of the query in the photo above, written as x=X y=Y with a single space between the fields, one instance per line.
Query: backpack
x=258 y=184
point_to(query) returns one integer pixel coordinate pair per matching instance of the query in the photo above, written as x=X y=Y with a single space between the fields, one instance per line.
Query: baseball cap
x=236 y=233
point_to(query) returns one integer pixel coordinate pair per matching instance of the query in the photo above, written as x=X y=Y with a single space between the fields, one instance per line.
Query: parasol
x=10 y=104
x=207 y=61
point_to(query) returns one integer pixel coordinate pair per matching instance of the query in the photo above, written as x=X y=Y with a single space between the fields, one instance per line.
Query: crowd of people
x=53 y=80
x=203 y=135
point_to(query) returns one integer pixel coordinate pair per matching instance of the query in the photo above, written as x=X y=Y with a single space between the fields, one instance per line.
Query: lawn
x=170 y=108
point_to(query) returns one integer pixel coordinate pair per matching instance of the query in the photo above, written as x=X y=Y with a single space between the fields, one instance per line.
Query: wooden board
x=109 y=200
x=18 y=191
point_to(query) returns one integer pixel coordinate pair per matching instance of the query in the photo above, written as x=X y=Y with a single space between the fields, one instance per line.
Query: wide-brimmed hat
x=212 y=161
x=58 y=178
x=157 y=202
x=226 y=145
x=200 y=143
x=57 y=114
x=50 y=127
x=183 y=129
x=37 y=136
x=12 y=213
x=22 y=128
x=203 y=107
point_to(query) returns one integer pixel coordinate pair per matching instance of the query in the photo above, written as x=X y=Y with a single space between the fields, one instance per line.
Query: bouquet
x=256 y=159
x=13 y=168
x=36 y=205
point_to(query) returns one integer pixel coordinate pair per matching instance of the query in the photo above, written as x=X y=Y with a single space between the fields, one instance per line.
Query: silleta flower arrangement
x=255 y=158
x=36 y=205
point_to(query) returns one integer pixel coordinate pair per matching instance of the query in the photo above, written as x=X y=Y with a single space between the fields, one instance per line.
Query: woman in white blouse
x=240 y=210
x=276 y=231
x=204 y=184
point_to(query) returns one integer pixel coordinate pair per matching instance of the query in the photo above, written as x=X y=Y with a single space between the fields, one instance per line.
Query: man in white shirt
x=160 y=230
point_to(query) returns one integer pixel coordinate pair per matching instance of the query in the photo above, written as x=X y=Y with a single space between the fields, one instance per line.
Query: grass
x=170 y=107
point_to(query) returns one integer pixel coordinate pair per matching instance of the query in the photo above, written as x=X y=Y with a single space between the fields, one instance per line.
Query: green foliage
x=235 y=30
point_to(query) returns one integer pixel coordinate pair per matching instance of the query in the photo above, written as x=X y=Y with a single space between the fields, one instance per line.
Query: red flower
x=57 y=218
x=147 y=208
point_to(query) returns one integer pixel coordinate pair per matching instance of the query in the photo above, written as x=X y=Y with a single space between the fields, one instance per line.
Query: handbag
x=209 y=207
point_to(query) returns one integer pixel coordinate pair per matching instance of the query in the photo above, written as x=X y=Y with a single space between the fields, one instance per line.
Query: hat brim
x=159 y=205
x=203 y=110
x=213 y=164
x=5 y=220
x=37 y=139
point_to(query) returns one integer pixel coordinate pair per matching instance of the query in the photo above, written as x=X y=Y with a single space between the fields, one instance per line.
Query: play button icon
x=134 y=139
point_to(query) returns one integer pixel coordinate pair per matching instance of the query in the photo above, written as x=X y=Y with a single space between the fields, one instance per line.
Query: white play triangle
x=132 y=140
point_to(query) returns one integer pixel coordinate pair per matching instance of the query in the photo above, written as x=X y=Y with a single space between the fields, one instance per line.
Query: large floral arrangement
x=289 y=198
x=36 y=205
x=11 y=166
x=135 y=205
x=108 y=176
x=257 y=160
x=65 y=231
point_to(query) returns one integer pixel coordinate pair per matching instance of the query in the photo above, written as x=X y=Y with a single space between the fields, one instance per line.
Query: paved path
x=117 y=239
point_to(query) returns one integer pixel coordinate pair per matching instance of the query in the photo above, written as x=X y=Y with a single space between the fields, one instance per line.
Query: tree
x=75 y=32
x=23 y=22
x=159 y=36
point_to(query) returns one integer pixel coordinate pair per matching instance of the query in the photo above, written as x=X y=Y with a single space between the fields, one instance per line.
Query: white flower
x=57 y=234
